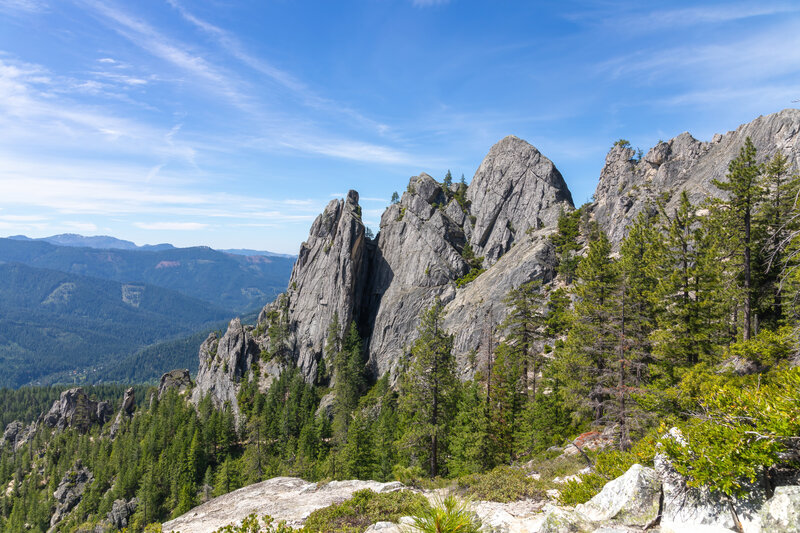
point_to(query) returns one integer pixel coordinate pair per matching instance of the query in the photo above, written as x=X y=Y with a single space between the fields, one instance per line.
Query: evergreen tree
x=448 y=181
x=523 y=326
x=395 y=198
x=582 y=360
x=742 y=183
x=775 y=224
x=428 y=388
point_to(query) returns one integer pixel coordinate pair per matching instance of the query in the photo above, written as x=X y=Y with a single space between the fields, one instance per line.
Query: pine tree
x=742 y=183
x=448 y=181
x=775 y=224
x=395 y=198
x=582 y=360
x=429 y=388
x=523 y=326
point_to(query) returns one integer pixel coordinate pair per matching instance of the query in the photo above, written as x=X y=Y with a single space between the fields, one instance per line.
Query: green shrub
x=502 y=484
x=450 y=515
x=364 y=509
x=582 y=490
x=469 y=276
x=251 y=524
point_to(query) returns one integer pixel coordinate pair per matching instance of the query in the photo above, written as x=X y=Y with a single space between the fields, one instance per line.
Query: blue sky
x=232 y=123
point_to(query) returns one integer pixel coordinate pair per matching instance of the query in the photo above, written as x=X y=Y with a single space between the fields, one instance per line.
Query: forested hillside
x=55 y=326
x=233 y=282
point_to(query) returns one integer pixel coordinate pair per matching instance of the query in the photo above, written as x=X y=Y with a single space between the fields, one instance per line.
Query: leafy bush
x=608 y=465
x=502 y=484
x=767 y=348
x=364 y=509
x=740 y=432
x=450 y=515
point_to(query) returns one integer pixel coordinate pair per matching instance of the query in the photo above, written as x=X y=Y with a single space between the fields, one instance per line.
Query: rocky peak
x=75 y=409
x=629 y=186
x=223 y=364
x=325 y=280
x=515 y=188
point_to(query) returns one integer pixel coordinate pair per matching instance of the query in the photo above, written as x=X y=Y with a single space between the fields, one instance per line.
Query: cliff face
x=507 y=215
x=628 y=186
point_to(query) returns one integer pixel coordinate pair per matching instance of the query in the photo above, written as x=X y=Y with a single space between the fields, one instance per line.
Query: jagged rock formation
x=326 y=280
x=75 y=409
x=223 y=364
x=628 y=186
x=175 y=379
x=70 y=491
x=283 y=498
x=510 y=209
x=125 y=411
x=17 y=434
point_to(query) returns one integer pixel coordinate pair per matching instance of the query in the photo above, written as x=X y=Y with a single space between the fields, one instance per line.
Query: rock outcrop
x=283 y=498
x=178 y=380
x=782 y=511
x=125 y=411
x=17 y=434
x=120 y=513
x=629 y=186
x=74 y=409
x=70 y=491
x=223 y=364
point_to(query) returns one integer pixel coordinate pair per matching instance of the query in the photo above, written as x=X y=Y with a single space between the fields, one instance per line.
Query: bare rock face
x=175 y=379
x=418 y=256
x=70 y=491
x=74 y=409
x=283 y=498
x=223 y=364
x=478 y=305
x=629 y=186
x=514 y=189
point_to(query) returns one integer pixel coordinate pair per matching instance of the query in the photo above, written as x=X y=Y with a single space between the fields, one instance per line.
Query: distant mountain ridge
x=107 y=242
x=233 y=282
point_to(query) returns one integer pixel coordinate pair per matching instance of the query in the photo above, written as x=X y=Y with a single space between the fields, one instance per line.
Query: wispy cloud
x=30 y=6
x=295 y=86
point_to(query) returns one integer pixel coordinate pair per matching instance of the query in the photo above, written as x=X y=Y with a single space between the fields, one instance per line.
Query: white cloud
x=107 y=60
x=171 y=226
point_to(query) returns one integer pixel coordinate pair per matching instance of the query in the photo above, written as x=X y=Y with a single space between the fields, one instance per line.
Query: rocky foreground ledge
x=642 y=499
x=284 y=498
